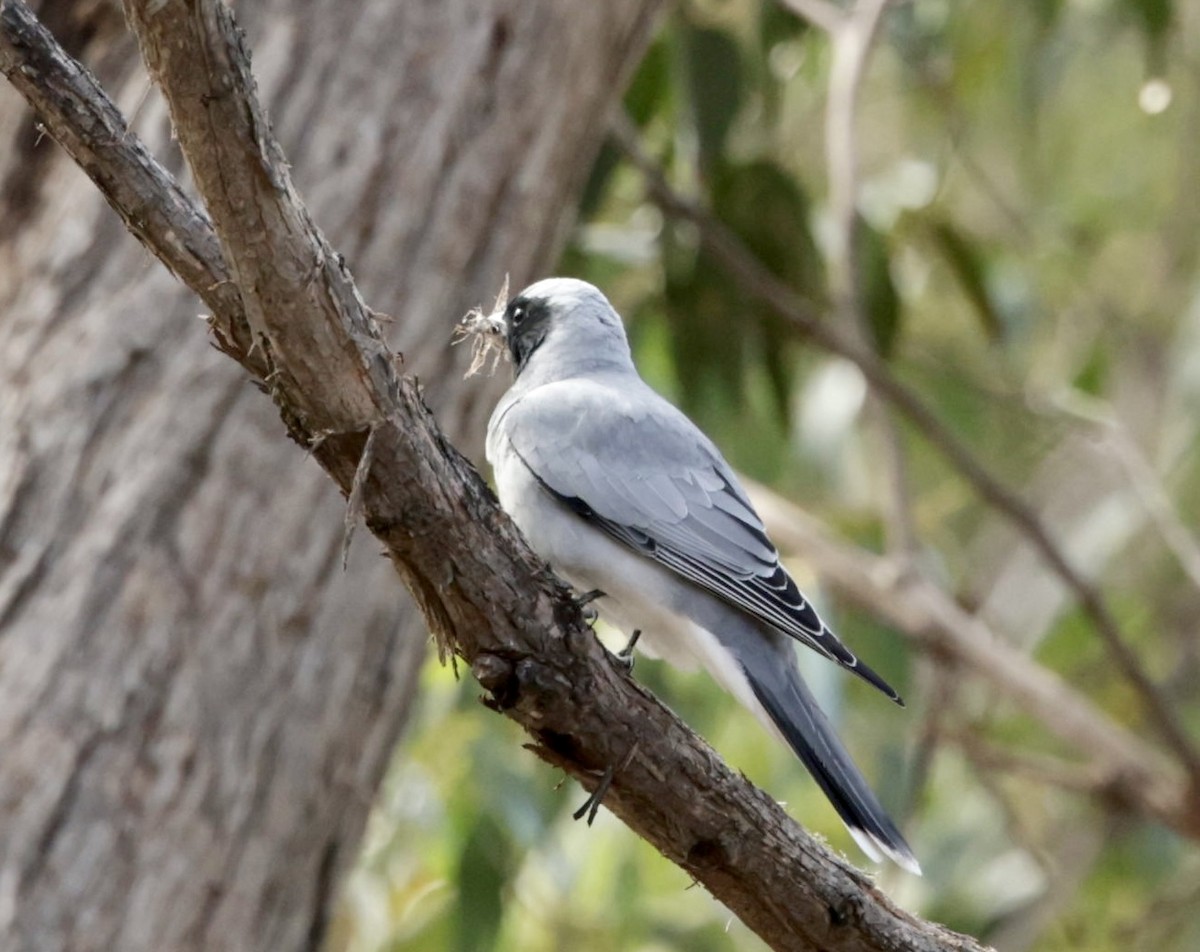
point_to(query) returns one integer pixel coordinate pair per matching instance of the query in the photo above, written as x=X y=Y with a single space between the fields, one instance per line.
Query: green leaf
x=650 y=89
x=706 y=336
x=649 y=93
x=483 y=871
x=1153 y=16
x=777 y=24
x=1046 y=13
x=1093 y=376
x=607 y=160
x=718 y=333
x=777 y=27
x=769 y=212
x=970 y=271
x=880 y=299
x=712 y=66
x=1154 y=19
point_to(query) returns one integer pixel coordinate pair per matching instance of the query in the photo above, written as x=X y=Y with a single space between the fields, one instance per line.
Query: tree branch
x=729 y=253
x=483 y=592
x=1042 y=768
x=852 y=43
x=1142 y=476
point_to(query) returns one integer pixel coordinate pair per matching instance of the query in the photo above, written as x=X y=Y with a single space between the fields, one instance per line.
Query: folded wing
x=633 y=465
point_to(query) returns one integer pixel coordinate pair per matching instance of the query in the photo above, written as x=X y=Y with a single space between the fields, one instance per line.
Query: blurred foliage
x=1029 y=228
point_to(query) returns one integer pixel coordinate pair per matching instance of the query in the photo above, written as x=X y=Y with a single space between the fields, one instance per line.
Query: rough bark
x=196 y=703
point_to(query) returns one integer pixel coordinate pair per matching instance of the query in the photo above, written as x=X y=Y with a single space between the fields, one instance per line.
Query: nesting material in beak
x=486 y=333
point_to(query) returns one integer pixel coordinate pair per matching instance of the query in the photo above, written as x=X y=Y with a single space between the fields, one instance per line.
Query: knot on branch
x=846 y=910
x=498 y=676
x=559 y=748
x=707 y=854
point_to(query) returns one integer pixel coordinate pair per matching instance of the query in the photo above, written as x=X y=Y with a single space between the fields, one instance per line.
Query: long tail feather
x=794 y=711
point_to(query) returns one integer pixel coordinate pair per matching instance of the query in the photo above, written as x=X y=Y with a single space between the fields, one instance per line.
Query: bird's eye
x=518 y=315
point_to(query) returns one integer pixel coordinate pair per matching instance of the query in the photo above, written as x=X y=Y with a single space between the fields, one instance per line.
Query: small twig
x=1043 y=768
x=1143 y=479
x=941 y=708
x=731 y=254
x=1148 y=487
x=903 y=541
x=853 y=43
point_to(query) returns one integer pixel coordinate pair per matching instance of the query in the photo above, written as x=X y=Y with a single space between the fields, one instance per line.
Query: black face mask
x=526 y=323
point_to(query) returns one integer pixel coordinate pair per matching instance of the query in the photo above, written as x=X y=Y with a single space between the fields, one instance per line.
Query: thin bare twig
x=1043 y=768
x=740 y=263
x=853 y=42
x=1143 y=479
x=1148 y=487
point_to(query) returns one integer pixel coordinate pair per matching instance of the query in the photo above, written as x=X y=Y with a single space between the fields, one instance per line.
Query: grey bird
x=622 y=493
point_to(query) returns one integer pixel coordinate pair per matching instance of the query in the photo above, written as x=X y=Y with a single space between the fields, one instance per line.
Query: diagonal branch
x=729 y=253
x=1142 y=476
x=483 y=592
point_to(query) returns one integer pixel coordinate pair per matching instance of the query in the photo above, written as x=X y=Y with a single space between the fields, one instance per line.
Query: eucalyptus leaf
x=713 y=67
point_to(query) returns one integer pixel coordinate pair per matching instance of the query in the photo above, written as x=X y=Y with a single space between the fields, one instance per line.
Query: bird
x=625 y=497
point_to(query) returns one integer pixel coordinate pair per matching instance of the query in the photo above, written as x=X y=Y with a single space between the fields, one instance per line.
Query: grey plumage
x=620 y=492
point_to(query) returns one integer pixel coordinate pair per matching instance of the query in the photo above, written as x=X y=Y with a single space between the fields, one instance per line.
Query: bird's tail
x=794 y=711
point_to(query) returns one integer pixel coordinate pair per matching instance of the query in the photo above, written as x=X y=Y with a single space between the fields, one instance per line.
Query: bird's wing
x=629 y=462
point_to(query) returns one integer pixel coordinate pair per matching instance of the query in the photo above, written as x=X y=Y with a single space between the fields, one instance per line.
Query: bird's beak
x=493 y=324
x=487 y=332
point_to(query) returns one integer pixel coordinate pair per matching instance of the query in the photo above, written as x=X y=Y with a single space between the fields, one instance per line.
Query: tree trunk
x=196 y=702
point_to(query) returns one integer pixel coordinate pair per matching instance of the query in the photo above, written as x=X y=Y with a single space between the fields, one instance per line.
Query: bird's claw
x=586 y=608
x=625 y=655
x=591 y=806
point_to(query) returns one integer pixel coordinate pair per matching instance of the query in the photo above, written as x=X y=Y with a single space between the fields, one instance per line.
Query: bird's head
x=564 y=321
x=567 y=323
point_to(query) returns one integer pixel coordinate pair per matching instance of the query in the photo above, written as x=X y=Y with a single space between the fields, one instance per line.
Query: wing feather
x=637 y=468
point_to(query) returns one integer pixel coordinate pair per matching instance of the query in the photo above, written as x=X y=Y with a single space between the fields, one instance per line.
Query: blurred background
x=1022 y=255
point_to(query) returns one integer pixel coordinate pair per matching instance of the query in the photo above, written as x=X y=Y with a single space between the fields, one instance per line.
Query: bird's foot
x=584 y=604
x=625 y=655
x=591 y=806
